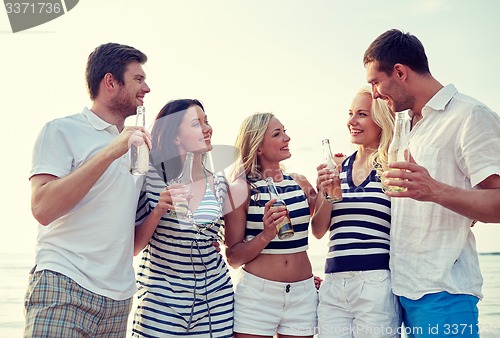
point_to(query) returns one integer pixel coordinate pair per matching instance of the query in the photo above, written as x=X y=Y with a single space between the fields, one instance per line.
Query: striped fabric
x=360 y=224
x=184 y=284
x=298 y=209
x=209 y=209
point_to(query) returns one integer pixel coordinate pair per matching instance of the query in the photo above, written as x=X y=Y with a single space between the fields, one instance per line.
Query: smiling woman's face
x=274 y=147
x=194 y=133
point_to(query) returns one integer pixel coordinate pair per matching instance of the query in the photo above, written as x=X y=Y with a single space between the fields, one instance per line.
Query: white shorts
x=358 y=304
x=263 y=307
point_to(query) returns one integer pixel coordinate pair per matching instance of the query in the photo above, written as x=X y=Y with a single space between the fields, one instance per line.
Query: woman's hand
x=317 y=282
x=273 y=216
x=325 y=177
x=172 y=194
x=216 y=245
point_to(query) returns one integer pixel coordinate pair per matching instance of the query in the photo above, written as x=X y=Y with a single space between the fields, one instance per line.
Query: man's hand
x=416 y=179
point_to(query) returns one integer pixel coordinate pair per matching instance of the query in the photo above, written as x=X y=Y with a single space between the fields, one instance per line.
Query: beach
x=14 y=268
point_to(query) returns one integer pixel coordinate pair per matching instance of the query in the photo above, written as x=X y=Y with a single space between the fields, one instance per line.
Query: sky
x=301 y=60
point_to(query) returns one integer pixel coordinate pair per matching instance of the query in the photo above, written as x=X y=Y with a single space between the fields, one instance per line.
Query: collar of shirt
x=97 y=122
x=439 y=101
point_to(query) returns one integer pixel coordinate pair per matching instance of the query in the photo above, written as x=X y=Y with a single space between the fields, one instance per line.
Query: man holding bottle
x=85 y=198
x=451 y=179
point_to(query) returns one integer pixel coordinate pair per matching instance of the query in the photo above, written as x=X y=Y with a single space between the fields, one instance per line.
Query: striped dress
x=360 y=225
x=184 y=283
x=298 y=209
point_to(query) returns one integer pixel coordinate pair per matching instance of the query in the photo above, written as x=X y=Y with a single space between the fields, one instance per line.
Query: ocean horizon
x=14 y=269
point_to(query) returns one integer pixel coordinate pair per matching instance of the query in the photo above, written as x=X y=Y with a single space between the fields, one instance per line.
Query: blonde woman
x=276 y=293
x=356 y=300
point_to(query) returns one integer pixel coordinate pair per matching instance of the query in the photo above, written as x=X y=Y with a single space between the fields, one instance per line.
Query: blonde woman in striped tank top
x=276 y=293
x=356 y=300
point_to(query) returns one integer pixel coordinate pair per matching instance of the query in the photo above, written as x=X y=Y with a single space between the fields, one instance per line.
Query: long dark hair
x=165 y=156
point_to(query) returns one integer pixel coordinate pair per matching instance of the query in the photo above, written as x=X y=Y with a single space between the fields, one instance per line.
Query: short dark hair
x=110 y=58
x=164 y=154
x=395 y=46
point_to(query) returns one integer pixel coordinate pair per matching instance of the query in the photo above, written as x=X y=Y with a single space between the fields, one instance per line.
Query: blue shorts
x=441 y=315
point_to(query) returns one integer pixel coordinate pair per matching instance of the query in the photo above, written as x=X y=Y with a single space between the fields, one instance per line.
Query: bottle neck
x=187 y=169
x=401 y=125
x=273 y=192
x=140 y=119
x=327 y=153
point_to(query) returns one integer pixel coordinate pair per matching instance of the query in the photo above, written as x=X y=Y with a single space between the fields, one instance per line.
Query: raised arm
x=320 y=221
x=478 y=204
x=52 y=197
x=239 y=251
x=144 y=231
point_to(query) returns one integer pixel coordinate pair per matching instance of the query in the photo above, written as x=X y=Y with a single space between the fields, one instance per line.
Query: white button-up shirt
x=433 y=248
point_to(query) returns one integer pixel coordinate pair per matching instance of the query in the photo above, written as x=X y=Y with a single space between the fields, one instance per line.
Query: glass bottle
x=285 y=228
x=399 y=148
x=139 y=154
x=333 y=191
x=185 y=178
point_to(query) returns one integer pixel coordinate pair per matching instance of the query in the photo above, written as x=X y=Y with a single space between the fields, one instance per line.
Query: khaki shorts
x=263 y=307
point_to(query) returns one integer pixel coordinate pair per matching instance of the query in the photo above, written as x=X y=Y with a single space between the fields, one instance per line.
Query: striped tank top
x=359 y=226
x=298 y=208
x=184 y=285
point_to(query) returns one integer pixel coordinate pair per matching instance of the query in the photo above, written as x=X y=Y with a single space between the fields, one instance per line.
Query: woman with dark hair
x=184 y=284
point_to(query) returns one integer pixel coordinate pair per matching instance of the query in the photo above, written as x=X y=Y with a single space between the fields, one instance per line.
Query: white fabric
x=433 y=248
x=358 y=304
x=264 y=307
x=93 y=243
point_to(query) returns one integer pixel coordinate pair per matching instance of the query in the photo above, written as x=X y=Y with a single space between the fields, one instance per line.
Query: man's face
x=389 y=88
x=131 y=93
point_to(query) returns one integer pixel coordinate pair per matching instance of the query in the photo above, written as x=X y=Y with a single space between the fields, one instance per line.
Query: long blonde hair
x=384 y=118
x=249 y=139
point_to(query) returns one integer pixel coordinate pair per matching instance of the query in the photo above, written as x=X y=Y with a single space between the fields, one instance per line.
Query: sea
x=14 y=268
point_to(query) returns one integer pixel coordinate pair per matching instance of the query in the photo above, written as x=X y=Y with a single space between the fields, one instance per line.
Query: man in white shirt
x=85 y=199
x=451 y=180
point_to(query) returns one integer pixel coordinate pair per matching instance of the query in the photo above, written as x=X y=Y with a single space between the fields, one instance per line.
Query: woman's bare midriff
x=281 y=268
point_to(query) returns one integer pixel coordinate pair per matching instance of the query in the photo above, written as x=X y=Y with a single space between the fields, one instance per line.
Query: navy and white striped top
x=184 y=285
x=360 y=224
x=298 y=208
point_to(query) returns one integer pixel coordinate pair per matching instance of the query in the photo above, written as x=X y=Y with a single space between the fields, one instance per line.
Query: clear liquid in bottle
x=139 y=154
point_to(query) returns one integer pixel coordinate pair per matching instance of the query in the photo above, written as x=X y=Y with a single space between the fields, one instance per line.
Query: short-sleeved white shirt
x=93 y=242
x=433 y=248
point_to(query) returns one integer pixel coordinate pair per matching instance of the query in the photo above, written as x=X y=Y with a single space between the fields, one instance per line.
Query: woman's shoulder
x=239 y=185
x=239 y=193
